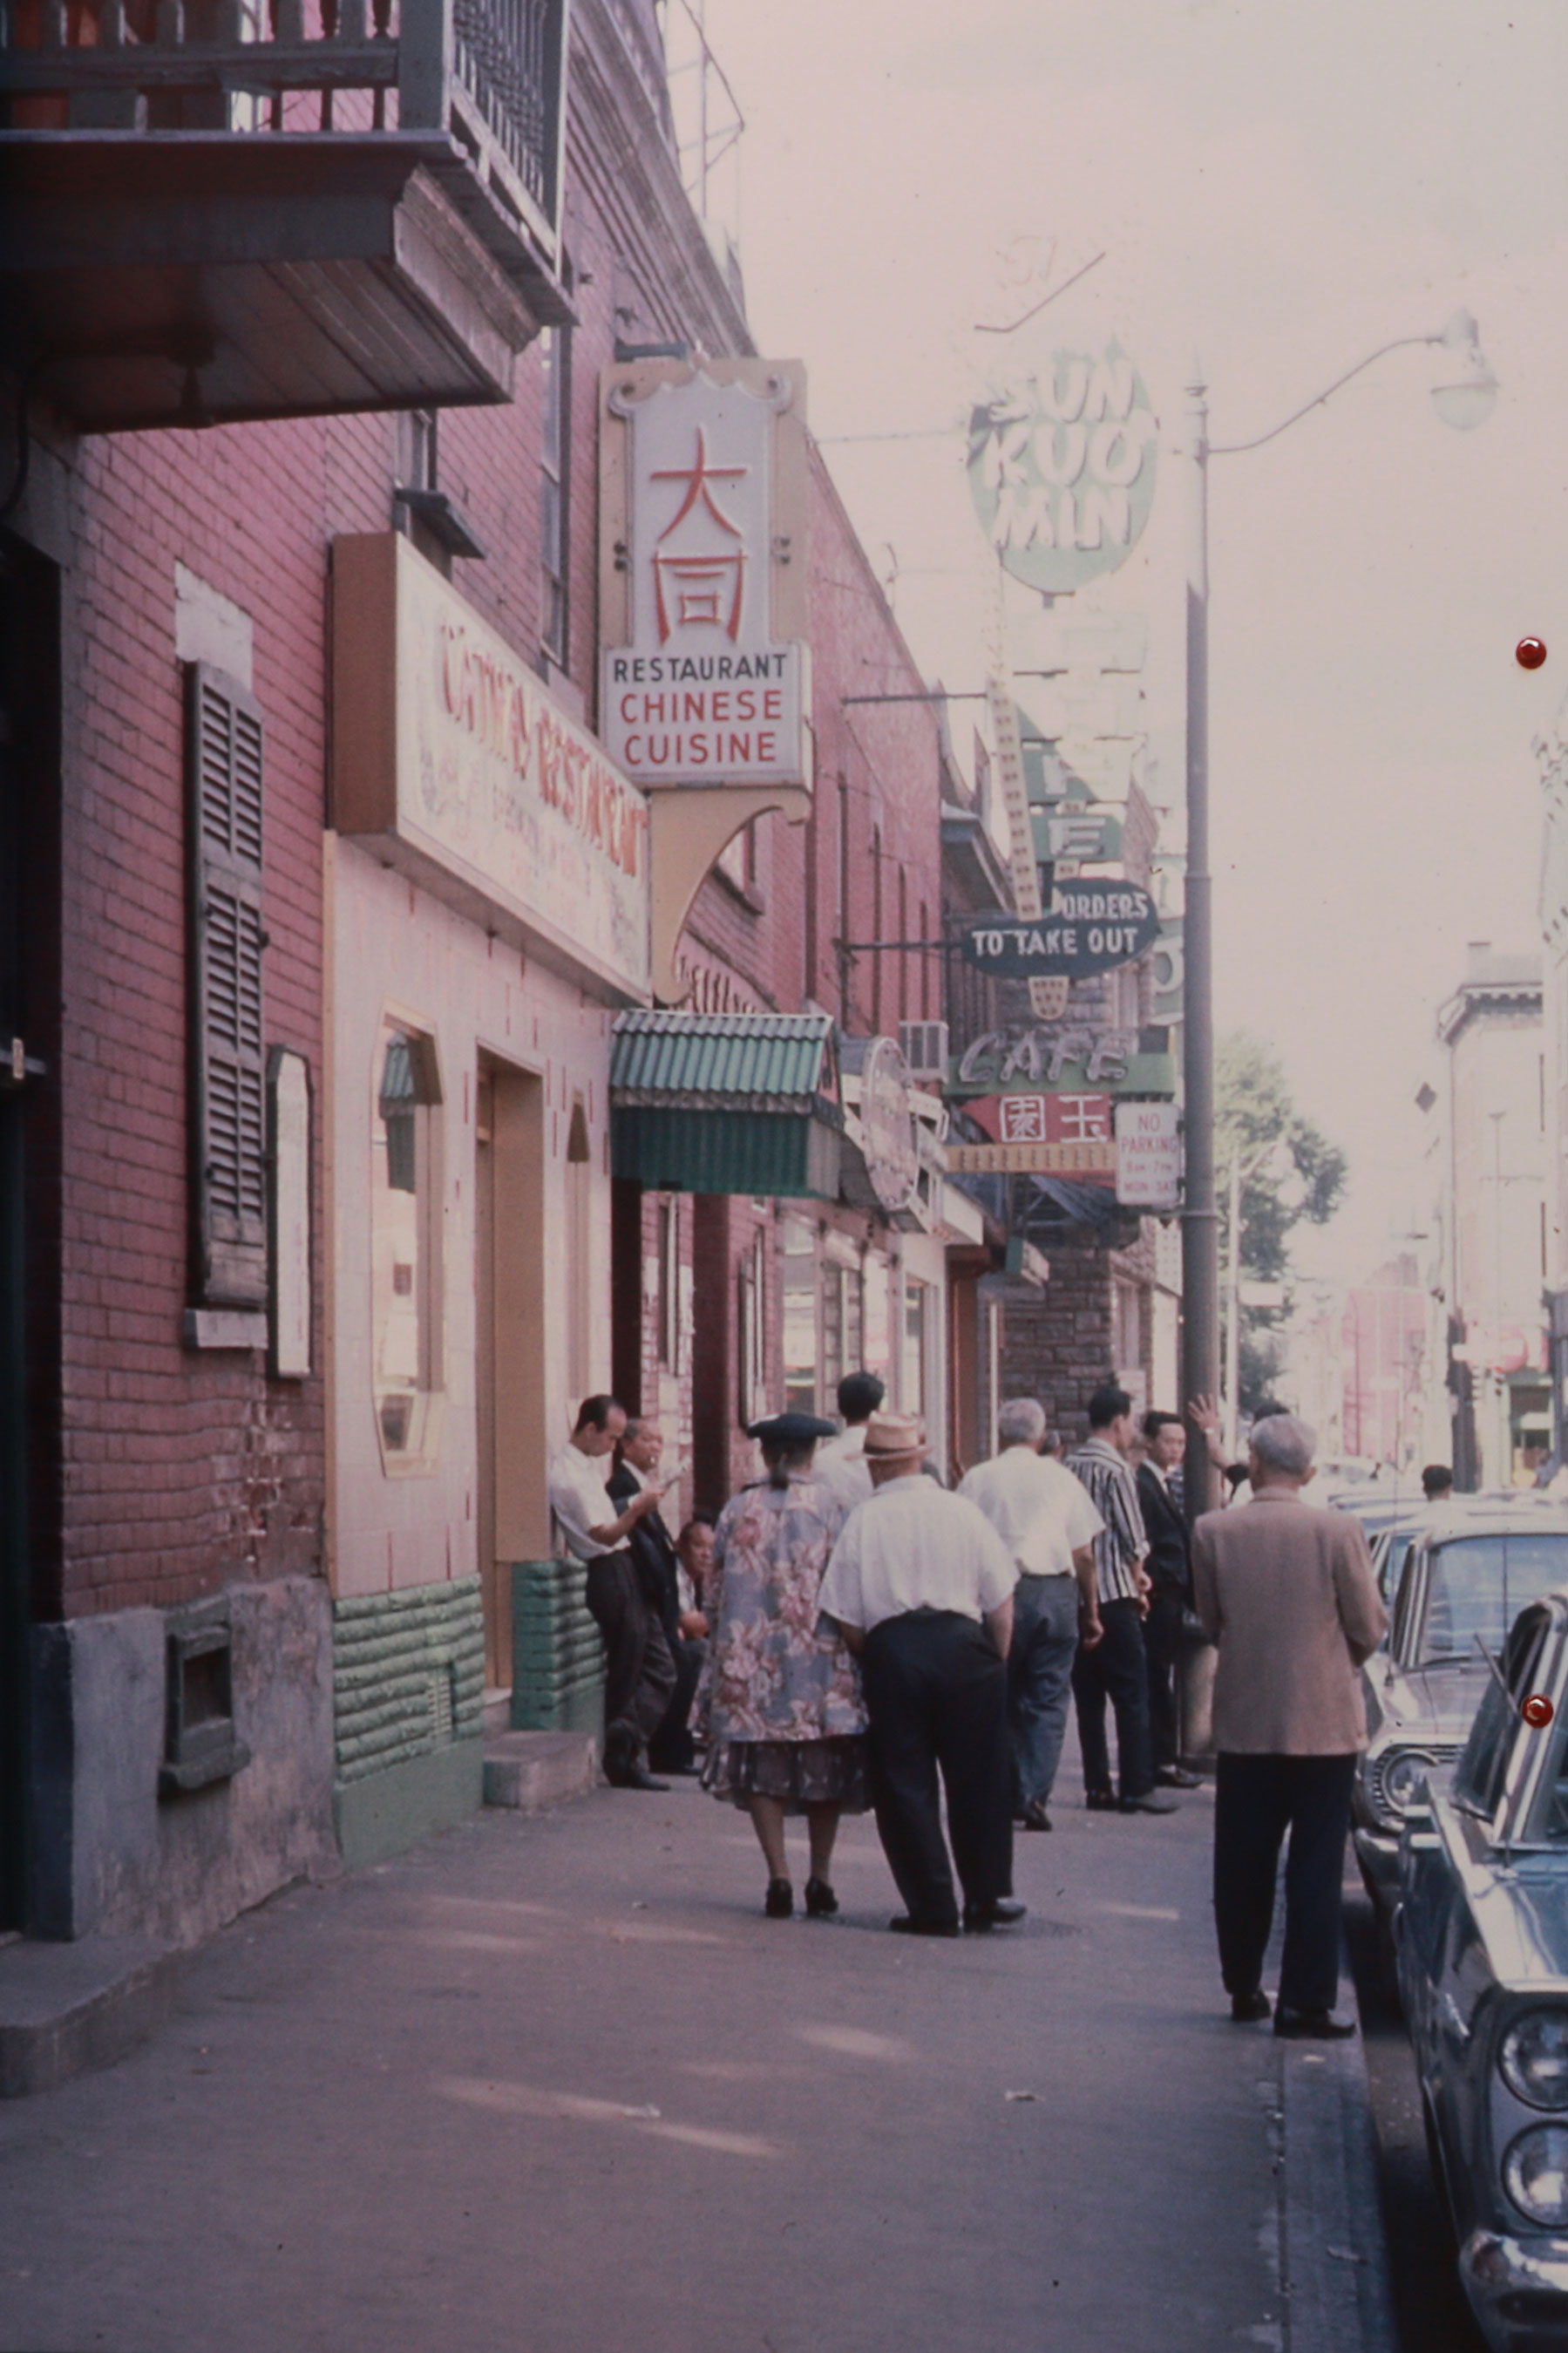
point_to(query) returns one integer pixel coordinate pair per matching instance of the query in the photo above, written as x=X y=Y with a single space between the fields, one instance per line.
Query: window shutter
x=228 y=1080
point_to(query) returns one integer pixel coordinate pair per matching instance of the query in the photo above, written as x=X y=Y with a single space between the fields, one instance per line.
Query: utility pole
x=1200 y=1218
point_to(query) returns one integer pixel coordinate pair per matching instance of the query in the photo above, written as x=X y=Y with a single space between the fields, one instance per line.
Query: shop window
x=554 y=486
x=917 y=1309
x=752 y=1352
x=405 y=1247
x=579 y=1268
x=225 y=759
x=841 y=1326
x=800 y=1335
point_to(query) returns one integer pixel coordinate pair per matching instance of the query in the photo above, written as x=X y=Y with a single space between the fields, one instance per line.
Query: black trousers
x=1162 y=1652
x=1115 y=1669
x=1256 y=1801
x=936 y=1692
x=672 y=1748
x=639 y=1673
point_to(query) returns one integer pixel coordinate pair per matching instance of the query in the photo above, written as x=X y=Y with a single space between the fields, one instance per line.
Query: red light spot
x=1529 y=652
x=1537 y=1710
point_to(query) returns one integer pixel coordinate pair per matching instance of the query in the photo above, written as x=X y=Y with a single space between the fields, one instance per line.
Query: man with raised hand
x=639 y=1673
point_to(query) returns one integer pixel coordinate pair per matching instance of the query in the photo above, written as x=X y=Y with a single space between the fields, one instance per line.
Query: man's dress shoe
x=902 y=1926
x=1034 y=1817
x=1176 y=1777
x=1247 y=2009
x=1149 y=1801
x=632 y=1776
x=1311 y=2025
x=1001 y=1912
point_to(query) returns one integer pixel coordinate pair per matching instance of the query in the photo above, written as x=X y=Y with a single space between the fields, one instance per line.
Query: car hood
x=1522 y=1914
x=1425 y=1703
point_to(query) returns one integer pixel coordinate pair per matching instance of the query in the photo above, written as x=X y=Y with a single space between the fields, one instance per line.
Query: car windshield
x=1475 y=1584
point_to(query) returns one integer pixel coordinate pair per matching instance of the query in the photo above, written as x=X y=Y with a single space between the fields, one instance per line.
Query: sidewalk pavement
x=553 y=2083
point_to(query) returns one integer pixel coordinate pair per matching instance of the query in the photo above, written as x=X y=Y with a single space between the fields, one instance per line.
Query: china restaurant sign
x=704 y=515
x=448 y=747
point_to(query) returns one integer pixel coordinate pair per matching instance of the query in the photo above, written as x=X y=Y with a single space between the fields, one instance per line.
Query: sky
x=1281 y=187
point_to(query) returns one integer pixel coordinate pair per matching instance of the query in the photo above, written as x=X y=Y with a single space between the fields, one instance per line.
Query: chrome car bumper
x=1518 y=2288
x=1377 y=1851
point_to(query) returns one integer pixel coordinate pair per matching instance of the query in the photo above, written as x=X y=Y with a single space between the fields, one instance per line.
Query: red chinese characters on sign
x=1044 y=1119
x=1057 y=1134
x=703 y=581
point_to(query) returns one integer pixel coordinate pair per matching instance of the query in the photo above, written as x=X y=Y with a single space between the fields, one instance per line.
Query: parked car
x=1457 y=1580
x=1481 y=1932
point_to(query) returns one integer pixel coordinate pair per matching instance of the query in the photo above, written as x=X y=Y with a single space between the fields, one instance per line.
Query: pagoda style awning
x=727 y=1103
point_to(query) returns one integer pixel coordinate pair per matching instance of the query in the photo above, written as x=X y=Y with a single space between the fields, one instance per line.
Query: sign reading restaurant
x=706 y=690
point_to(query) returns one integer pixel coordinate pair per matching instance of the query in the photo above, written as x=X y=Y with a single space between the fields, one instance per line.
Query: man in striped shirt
x=1114 y=1667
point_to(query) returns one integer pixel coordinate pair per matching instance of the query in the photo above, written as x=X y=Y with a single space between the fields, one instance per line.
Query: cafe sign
x=1091 y=927
x=710 y=686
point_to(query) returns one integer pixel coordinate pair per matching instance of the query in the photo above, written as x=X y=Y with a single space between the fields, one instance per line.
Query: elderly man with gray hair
x=1288 y=1594
x=1044 y=1516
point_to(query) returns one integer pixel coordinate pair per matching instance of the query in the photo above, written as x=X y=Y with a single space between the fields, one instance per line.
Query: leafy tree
x=1290 y=1171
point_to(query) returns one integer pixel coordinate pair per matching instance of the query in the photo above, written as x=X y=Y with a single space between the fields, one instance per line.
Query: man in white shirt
x=640 y=1672
x=839 y=1463
x=922 y=1586
x=1044 y=1516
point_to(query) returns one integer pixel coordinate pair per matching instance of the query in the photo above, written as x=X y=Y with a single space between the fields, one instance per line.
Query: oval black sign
x=1091 y=927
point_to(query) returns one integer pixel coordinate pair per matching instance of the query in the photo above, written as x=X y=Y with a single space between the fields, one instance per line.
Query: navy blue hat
x=793 y=1429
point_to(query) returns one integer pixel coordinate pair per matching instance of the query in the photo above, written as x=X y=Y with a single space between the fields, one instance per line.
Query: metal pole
x=1232 y=1314
x=1199 y=1246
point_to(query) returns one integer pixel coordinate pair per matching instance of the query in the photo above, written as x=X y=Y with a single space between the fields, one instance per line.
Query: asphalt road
x=556 y=2085
x=1429 y=2304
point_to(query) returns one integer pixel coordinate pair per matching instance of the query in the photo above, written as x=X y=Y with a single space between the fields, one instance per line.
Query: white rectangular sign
x=704 y=692
x=1148 y=1156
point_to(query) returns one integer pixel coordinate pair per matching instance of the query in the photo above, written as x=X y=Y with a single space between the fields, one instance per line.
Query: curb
x=1334 y=2256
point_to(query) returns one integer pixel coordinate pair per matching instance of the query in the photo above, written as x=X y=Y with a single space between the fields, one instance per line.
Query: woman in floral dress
x=781 y=1702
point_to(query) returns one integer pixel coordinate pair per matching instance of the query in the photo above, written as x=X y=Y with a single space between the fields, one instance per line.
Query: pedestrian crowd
x=849 y=1633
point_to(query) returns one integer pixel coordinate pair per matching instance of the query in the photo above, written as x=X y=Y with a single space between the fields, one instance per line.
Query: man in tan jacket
x=1288 y=1594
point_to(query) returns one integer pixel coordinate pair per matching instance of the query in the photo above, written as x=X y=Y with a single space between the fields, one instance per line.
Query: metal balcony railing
x=488 y=73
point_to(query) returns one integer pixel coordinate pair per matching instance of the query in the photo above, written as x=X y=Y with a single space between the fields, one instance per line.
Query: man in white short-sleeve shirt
x=922 y=1586
x=639 y=1673
x=1044 y=1516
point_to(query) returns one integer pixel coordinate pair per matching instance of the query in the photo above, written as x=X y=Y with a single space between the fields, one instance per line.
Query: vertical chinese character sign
x=708 y=687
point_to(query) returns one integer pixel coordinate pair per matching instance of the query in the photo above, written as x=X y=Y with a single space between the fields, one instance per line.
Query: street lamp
x=1463 y=397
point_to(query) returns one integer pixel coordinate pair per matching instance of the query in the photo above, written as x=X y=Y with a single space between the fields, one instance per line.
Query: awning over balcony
x=193 y=277
x=727 y=1103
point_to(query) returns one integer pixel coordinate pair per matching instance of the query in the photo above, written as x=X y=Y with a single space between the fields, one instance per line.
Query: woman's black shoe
x=779 y=1901
x=821 y=1903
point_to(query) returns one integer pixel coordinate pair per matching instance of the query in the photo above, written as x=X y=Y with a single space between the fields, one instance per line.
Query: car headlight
x=1535 y=2175
x=1534 y=2059
x=1393 y=1782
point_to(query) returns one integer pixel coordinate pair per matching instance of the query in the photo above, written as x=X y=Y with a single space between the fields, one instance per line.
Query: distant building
x=1489 y=1159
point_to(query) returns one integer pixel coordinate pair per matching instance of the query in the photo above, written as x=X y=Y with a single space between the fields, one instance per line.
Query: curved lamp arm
x=1460 y=334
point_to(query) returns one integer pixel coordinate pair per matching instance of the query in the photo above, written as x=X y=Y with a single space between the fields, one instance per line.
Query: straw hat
x=894 y=1438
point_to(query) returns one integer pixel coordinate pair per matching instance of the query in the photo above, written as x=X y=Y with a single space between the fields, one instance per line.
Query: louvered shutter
x=229 y=1126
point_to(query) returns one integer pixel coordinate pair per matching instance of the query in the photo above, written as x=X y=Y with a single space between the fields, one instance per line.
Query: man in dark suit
x=670 y=1748
x=1171 y=1576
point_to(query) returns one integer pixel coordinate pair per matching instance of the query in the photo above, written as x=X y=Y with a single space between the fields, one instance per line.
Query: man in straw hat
x=922 y=1586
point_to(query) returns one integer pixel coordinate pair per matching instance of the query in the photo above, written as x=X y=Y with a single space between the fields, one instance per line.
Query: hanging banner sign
x=1091 y=927
x=707 y=690
x=1148 y=1156
x=1040 y=1135
x=1061 y=468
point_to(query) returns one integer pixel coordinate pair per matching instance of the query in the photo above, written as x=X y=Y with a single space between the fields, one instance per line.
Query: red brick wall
x=182 y=1470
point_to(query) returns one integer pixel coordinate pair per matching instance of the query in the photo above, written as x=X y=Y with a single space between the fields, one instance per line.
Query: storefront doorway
x=510 y=1505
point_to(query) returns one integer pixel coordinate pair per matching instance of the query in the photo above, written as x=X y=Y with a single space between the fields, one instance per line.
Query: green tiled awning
x=726 y=1103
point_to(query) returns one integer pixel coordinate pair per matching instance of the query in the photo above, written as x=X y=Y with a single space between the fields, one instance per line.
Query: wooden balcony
x=209 y=215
